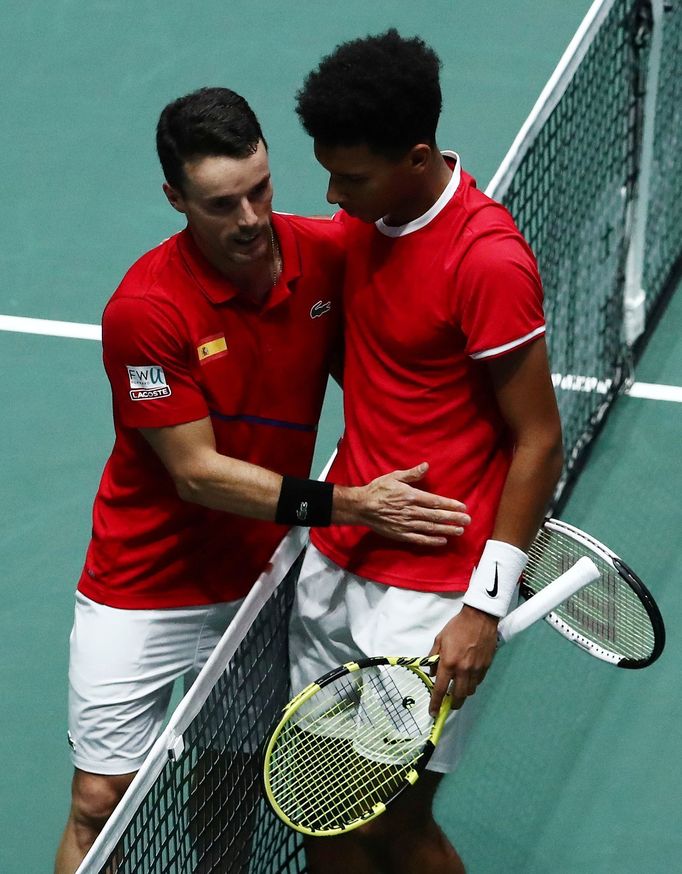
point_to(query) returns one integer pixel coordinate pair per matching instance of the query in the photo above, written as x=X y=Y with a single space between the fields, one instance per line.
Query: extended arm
x=388 y=505
x=526 y=399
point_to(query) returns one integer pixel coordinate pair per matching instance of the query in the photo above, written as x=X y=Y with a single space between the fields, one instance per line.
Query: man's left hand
x=466 y=647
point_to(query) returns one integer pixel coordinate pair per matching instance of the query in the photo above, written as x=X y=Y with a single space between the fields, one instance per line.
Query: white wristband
x=494 y=579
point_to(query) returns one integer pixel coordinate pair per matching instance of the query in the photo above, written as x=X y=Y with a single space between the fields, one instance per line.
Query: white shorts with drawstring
x=338 y=617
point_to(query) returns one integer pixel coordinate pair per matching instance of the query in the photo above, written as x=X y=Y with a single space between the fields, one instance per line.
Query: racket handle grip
x=583 y=572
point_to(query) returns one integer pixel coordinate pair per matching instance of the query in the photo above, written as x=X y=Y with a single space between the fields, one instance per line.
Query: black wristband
x=304 y=502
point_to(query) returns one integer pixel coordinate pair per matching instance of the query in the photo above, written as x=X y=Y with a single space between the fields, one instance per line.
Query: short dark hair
x=210 y=121
x=382 y=91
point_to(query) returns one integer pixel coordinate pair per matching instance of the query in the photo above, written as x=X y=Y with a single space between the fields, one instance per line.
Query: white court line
x=50 y=328
x=81 y=331
x=653 y=392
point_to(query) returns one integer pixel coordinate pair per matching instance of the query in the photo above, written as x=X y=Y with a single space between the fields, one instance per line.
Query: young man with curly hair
x=445 y=357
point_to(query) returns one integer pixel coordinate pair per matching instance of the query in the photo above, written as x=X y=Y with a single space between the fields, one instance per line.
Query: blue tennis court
x=576 y=767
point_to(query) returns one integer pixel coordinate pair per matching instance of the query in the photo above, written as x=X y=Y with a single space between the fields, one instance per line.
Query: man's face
x=228 y=204
x=364 y=184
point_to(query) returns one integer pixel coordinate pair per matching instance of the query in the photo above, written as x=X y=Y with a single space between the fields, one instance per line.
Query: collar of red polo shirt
x=218 y=289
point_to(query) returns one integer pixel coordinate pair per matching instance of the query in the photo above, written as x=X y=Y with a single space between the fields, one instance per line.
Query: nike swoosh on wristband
x=493 y=592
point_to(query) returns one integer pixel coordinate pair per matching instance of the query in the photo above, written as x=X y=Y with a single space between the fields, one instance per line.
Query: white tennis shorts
x=338 y=617
x=123 y=664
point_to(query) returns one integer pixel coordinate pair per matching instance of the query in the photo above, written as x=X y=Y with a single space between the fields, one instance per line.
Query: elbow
x=558 y=457
x=552 y=450
x=188 y=487
x=544 y=452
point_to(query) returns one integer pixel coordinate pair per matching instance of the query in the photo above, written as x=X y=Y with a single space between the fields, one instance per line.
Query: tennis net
x=196 y=804
x=593 y=180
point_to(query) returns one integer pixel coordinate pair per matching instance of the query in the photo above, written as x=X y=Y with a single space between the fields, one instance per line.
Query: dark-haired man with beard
x=217 y=345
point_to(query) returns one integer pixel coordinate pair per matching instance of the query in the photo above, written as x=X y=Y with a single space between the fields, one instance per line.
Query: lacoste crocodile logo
x=320 y=308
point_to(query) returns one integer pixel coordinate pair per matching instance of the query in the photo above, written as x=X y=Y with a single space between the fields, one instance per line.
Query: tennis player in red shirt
x=445 y=358
x=217 y=345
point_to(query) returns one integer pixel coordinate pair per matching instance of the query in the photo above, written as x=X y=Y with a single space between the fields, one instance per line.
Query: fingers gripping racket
x=615 y=618
x=349 y=744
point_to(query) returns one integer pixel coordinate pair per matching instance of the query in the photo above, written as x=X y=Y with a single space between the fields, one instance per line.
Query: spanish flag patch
x=212 y=347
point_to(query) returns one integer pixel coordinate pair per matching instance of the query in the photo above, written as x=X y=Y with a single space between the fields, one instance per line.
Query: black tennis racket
x=615 y=618
x=349 y=744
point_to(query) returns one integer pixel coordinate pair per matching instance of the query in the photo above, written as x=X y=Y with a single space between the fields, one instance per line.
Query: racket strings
x=347 y=787
x=367 y=702
x=350 y=746
x=325 y=803
x=397 y=701
x=362 y=716
x=608 y=612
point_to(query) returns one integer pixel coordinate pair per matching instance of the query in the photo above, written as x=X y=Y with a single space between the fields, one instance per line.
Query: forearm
x=231 y=485
x=204 y=476
x=532 y=478
x=389 y=504
x=528 y=488
x=467 y=643
x=236 y=486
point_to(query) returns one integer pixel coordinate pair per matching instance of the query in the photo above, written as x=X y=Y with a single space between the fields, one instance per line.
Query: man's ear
x=419 y=157
x=175 y=198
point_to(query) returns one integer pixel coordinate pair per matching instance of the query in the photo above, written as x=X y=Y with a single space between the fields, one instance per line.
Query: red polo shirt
x=425 y=306
x=180 y=344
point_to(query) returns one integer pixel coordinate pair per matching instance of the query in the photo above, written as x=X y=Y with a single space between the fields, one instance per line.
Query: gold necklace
x=276 y=266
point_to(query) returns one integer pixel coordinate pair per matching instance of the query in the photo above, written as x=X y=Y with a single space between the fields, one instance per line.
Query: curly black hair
x=210 y=121
x=381 y=91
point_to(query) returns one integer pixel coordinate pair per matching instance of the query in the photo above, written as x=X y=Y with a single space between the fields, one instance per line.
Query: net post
x=634 y=302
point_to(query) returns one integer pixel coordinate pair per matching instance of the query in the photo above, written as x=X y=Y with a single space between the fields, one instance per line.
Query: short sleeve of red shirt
x=340 y=217
x=146 y=361
x=499 y=300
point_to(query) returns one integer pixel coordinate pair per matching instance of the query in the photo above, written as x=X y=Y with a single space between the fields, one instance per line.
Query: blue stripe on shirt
x=259 y=420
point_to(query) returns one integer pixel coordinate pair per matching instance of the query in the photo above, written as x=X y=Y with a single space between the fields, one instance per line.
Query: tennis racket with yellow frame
x=349 y=744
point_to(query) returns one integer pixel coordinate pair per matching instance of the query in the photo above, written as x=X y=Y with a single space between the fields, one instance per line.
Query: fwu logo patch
x=147 y=382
